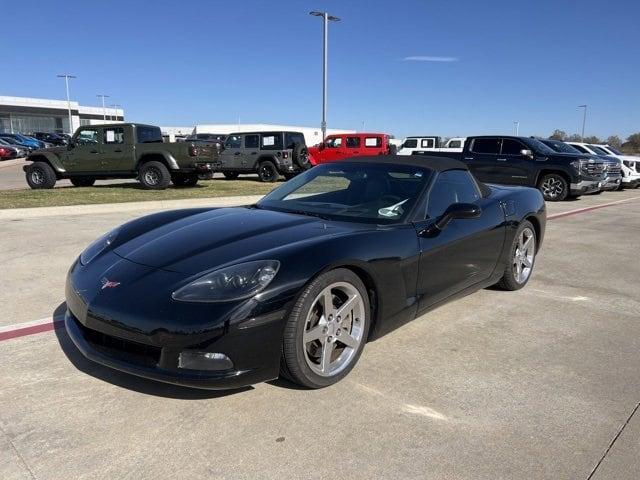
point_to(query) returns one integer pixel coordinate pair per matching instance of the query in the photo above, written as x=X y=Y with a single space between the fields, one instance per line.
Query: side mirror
x=526 y=153
x=457 y=210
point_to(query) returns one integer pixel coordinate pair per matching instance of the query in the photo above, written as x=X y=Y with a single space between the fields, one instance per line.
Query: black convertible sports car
x=296 y=284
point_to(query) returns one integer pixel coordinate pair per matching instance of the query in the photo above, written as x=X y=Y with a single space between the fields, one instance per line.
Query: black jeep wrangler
x=269 y=154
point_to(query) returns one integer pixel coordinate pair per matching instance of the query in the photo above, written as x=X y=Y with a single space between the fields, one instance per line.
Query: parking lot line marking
x=28 y=328
x=588 y=209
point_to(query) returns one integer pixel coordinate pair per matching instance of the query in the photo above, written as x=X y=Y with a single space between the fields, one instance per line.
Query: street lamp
x=104 y=109
x=66 y=77
x=584 y=119
x=325 y=20
x=517 y=126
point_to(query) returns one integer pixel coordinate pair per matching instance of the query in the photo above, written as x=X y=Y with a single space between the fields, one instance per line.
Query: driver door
x=231 y=156
x=466 y=251
x=83 y=156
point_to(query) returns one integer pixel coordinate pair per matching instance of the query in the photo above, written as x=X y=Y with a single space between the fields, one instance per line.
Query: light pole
x=104 y=109
x=584 y=119
x=517 y=126
x=325 y=21
x=66 y=77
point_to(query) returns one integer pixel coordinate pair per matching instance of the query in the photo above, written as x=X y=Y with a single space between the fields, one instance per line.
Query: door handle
x=501 y=159
x=118 y=151
x=468 y=158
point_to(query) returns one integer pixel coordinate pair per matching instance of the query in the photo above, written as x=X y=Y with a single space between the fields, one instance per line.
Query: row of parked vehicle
x=17 y=145
x=558 y=169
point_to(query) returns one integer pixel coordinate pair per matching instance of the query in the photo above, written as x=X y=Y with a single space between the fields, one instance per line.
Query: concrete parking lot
x=539 y=383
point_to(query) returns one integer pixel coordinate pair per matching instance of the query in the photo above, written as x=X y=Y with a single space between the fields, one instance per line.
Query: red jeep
x=346 y=145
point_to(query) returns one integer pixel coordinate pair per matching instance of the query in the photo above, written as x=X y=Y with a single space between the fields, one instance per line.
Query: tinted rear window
x=291 y=138
x=149 y=135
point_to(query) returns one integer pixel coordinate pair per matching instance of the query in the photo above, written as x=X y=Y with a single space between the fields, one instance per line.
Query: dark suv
x=269 y=154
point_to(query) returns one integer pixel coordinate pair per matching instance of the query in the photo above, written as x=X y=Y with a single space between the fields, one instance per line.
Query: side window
x=271 y=141
x=452 y=186
x=292 y=138
x=410 y=143
x=113 y=136
x=427 y=143
x=251 y=141
x=372 y=142
x=512 y=147
x=486 y=145
x=335 y=142
x=233 y=141
x=353 y=142
x=88 y=136
x=455 y=144
x=580 y=148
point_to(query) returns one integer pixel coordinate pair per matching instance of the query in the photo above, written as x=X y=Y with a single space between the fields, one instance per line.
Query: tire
x=267 y=172
x=154 y=176
x=40 y=175
x=554 y=187
x=300 y=156
x=511 y=279
x=302 y=355
x=185 y=180
x=230 y=175
x=82 y=181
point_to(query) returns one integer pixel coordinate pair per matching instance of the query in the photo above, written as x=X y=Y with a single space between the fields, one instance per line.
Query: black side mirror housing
x=454 y=211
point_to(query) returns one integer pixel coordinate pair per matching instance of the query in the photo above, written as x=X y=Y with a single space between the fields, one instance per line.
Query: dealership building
x=26 y=115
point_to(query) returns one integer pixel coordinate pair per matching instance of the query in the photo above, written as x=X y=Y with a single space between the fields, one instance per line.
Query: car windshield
x=540 y=147
x=614 y=150
x=355 y=192
x=559 y=146
x=599 y=150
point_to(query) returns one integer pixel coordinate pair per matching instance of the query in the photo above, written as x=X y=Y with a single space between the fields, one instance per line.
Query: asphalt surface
x=539 y=383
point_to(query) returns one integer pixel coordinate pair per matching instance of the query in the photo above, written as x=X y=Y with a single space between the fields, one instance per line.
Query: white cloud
x=421 y=58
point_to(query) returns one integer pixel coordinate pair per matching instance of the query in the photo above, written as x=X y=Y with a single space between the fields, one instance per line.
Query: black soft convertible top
x=438 y=164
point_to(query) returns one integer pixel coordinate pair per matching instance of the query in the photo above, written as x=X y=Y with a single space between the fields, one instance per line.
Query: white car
x=630 y=165
x=413 y=145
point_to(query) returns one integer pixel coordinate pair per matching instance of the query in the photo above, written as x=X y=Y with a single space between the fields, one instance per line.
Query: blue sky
x=187 y=62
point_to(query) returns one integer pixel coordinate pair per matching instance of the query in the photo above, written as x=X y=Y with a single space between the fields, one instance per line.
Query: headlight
x=232 y=283
x=98 y=246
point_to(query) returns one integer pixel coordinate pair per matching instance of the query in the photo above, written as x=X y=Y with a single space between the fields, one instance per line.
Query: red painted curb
x=589 y=209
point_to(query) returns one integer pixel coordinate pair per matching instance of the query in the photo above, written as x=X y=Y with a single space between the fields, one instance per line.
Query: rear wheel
x=154 y=176
x=554 y=187
x=326 y=331
x=185 y=180
x=300 y=156
x=230 y=175
x=40 y=175
x=267 y=172
x=82 y=181
x=522 y=258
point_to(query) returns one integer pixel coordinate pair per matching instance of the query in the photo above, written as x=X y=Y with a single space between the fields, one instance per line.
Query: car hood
x=224 y=236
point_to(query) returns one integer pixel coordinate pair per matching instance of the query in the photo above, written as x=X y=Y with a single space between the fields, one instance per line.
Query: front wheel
x=40 y=175
x=522 y=258
x=326 y=331
x=267 y=172
x=554 y=187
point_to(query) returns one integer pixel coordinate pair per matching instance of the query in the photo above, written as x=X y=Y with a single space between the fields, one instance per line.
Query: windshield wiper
x=308 y=214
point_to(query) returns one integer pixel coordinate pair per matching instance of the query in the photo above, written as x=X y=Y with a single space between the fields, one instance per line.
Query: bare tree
x=574 y=138
x=592 y=139
x=558 y=135
x=615 y=141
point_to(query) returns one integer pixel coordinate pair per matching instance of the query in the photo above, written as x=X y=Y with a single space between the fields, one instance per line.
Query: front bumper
x=611 y=182
x=149 y=342
x=585 y=186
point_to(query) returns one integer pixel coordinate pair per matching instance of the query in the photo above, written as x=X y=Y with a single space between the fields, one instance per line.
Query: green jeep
x=122 y=150
x=269 y=154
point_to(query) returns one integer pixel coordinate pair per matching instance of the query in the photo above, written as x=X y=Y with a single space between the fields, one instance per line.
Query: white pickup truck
x=630 y=167
x=415 y=145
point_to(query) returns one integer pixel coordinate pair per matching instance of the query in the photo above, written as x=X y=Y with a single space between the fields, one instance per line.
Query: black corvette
x=298 y=283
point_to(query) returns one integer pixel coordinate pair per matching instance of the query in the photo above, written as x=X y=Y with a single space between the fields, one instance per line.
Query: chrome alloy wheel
x=524 y=255
x=37 y=176
x=152 y=176
x=552 y=188
x=334 y=329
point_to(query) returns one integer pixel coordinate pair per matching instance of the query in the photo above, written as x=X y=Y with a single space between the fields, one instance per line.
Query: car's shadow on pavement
x=124 y=380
